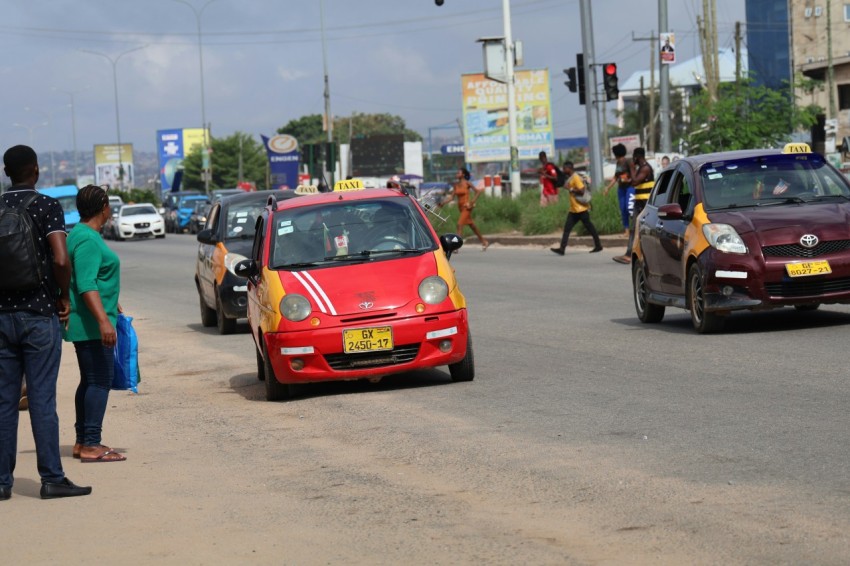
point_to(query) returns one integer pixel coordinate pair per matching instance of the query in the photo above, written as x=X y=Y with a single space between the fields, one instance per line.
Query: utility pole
x=513 y=137
x=830 y=70
x=328 y=118
x=664 y=79
x=653 y=55
x=590 y=91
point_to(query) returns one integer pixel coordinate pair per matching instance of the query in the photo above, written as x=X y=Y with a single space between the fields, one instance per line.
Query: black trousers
x=574 y=218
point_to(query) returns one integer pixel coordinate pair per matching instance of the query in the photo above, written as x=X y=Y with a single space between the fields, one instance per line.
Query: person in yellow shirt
x=579 y=212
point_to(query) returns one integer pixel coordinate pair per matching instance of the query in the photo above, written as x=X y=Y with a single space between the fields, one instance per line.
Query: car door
x=206 y=272
x=671 y=232
x=647 y=230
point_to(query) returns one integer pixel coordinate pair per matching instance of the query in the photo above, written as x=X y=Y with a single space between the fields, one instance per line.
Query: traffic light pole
x=664 y=111
x=591 y=109
x=513 y=137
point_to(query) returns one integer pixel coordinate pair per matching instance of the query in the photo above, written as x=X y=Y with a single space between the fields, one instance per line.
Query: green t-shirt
x=94 y=267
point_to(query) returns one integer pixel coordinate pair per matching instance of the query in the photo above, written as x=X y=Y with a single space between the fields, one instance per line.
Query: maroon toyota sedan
x=743 y=230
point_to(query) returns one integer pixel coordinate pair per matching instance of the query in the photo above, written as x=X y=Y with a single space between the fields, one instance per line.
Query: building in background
x=768 y=43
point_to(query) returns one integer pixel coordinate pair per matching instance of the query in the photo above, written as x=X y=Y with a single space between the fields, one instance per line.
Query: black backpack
x=22 y=268
x=560 y=178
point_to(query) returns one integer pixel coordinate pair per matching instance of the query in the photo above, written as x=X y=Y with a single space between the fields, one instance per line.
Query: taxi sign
x=348 y=185
x=796 y=148
x=306 y=190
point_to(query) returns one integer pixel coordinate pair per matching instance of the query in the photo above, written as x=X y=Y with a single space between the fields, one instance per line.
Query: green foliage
x=137 y=196
x=744 y=116
x=225 y=163
x=308 y=129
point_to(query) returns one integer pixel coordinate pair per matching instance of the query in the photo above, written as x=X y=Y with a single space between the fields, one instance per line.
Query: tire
x=646 y=311
x=704 y=322
x=207 y=314
x=225 y=325
x=261 y=370
x=464 y=370
x=275 y=390
x=807 y=308
x=161 y=237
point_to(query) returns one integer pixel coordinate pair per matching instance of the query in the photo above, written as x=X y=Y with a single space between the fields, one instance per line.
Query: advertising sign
x=485 y=116
x=667 y=47
x=282 y=151
x=113 y=168
x=172 y=147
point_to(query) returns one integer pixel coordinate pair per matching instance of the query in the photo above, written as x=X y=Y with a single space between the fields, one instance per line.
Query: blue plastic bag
x=126 y=356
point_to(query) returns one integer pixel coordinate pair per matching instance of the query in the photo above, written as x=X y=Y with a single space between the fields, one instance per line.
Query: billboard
x=172 y=146
x=113 y=168
x=485 y=116
x=378 y=156
x=284 y=157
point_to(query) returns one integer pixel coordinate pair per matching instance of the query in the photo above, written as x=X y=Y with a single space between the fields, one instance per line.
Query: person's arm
x=640 y=175
x=477 y=195
x=546 y=172
x=108 y=335
x=61 y=273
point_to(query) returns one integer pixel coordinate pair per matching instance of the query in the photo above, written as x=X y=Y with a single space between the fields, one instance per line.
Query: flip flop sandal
x=104 y=457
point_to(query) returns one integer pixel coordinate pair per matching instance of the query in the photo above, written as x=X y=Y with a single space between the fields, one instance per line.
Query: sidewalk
x=609 y=241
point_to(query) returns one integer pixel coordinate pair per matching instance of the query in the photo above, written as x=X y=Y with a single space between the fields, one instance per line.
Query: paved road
x=586 y=437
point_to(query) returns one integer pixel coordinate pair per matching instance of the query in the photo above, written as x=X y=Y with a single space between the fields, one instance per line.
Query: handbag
x=126 y=356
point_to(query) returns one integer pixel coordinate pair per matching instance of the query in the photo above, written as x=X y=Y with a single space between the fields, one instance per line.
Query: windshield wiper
x=369 y=253
x=298 y=265
x=769 y=201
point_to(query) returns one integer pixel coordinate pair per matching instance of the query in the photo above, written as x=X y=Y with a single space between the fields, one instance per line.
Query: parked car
x=225 y=240
x=743 y=230
x=353 y=284
x=137 y=221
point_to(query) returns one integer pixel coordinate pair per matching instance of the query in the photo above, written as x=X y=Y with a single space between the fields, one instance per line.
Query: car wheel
x=207 y=314
x=704 y=322
x=118 y=237
x=261 y=370
x=646 y=311
x=464 y=370
x=225 y=325
x=275 y=390
x=806 y=308
x=161 y=236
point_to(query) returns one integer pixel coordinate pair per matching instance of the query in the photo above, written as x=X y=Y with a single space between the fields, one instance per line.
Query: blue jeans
x=30 y=344
x=623 y=199
x=97 y=366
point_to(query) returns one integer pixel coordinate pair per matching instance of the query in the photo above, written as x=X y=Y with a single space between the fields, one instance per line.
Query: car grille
x=796 y=250
x=808 y=288
x=398 y=355
x=142 y=224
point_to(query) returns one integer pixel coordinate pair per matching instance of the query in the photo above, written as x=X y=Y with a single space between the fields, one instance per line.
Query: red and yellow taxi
x=743 y=230
x=353 y=284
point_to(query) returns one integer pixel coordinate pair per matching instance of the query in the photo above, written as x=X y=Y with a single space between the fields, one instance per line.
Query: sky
x=263 y=61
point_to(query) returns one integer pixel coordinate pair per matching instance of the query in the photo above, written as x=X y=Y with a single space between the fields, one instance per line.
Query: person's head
x=619 y=150
x=639 y=154
x=542 y=157
x=463 y=173
x=665 y=161
x=21 y=164
x=568 y=167
x=91 y=201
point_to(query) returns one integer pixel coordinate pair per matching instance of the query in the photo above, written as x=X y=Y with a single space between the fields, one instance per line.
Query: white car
x=137 y=221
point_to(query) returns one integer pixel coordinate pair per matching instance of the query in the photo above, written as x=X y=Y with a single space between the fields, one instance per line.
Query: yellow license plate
x=367 y=339
x=808 y=268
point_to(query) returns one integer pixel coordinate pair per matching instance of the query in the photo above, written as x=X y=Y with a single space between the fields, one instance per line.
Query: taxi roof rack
x=272 y=202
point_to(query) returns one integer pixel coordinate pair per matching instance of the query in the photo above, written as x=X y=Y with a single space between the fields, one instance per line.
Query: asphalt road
x=586 y=437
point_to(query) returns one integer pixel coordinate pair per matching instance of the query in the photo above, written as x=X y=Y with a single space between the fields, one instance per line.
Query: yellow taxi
x=743 y=230
x=352 y=284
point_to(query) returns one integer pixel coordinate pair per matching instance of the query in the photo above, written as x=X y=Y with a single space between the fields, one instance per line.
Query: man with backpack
x=34 y=299
x=549 y=181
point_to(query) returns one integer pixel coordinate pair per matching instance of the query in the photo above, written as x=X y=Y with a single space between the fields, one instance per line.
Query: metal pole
x=516 y=188
x=73 y=131
x=590 y=91
x=328 y=117
x=664 y=110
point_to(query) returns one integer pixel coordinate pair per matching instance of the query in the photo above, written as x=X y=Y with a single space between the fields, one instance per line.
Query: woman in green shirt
x=95 y=283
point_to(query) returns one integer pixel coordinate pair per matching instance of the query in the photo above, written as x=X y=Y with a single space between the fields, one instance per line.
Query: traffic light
x=580 y=77
x=571 y=79
x=609 y=81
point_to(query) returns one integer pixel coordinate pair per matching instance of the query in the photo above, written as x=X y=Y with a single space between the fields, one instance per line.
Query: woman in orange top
x=462 y=191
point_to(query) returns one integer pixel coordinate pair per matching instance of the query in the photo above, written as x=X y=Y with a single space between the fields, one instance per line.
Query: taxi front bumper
x=417 y=344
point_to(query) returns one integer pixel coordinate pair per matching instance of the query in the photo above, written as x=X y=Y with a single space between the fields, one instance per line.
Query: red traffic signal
x=609 y=81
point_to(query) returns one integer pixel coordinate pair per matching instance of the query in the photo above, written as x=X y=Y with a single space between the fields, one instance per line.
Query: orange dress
x=462 y=193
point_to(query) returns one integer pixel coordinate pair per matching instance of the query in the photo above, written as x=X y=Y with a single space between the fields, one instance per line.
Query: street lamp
x=30 y=130
x=205 y=152
x=114 y=61
x=71 y=94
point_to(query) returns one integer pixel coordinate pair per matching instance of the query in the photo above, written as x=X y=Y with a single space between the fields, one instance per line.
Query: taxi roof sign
x=306 y=190
x=796 y=148
x=349 y=185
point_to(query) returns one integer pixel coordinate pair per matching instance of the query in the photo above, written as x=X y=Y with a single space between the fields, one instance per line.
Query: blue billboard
x=282 y=151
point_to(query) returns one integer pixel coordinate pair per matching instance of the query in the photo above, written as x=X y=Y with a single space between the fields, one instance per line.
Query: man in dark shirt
x=31 y=339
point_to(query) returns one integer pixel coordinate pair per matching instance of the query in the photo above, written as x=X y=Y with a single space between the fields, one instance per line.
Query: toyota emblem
x=365 y=305
x=809 y=241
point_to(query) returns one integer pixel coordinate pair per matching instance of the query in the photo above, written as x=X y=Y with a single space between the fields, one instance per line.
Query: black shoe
x=64 y=488
x=558 y=251
x=596 y=249
x=5 y=493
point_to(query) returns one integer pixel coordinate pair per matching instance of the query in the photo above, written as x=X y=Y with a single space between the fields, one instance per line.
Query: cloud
x=291 y=75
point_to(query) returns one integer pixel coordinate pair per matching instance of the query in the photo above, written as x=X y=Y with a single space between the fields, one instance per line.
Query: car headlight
x=230 y=261
x=433 y=290
x=295 y=307
x=724 y=238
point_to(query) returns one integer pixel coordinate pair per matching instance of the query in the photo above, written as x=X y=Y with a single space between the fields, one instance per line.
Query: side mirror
x=670 y=211
x=161 y=210
x=450 y=243
x=206 y=237
x=247 y=269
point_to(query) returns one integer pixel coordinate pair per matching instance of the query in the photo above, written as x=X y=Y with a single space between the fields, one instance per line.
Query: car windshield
x=137 y=210
x=353 y=231
x=242 y=218
x=69 y=203
x=771 y=180
x=189 y=202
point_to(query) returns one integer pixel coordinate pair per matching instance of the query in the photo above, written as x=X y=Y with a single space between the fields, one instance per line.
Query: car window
x=259 y=235
x=137 y=210
x=212 y=218
x=352 y=230
x=662 y=188
x=241 y=219
x=771 y=179
x=681 y=191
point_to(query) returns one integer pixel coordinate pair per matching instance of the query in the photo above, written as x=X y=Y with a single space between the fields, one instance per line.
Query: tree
x=225 y=163
x=308 y=129
x=745 y=116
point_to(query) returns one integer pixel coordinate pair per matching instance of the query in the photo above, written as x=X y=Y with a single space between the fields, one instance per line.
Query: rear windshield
x=242 y=219
x=771 y=179
x=137 y=210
